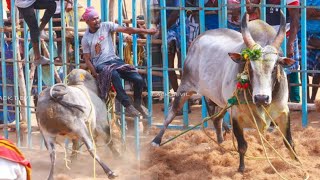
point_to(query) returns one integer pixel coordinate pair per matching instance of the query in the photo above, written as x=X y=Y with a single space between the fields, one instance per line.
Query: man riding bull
x=100 y=57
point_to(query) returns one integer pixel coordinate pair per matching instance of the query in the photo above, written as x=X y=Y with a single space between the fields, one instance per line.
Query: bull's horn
x=247 y=38
x=281 y=32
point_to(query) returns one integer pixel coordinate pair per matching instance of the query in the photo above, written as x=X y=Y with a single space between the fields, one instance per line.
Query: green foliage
x=251 y=54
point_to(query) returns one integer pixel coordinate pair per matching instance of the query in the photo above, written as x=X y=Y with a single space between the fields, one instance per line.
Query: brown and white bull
x=210 y=71
x=74 y=110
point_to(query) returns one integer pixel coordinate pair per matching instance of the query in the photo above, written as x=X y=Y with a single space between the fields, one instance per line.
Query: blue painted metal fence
x=223 y=16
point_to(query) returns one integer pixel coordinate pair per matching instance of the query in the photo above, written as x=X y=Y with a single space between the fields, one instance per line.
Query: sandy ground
x=192 y=156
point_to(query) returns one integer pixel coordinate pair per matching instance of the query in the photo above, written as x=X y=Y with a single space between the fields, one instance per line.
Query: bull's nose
x=261 y=99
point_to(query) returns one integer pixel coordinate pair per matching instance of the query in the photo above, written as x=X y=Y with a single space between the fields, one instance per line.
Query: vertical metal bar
x=15 y=71
x=120 y=48
x=149 y=64
x=120 y=20
x=202 y=16
x=243 y=7
x=39 y=74
x=103 y=10
x=51 y=53
x=135 y=62
x=107 y=10
x=164 y=55
x=183 y=54
x=134 y=36
x=284 y=43
x=4 y=73
x=76 y=34
x=28 y=86
x=220 y=13
x=64 y=44
x=304 y=62
x=137 y=137
x=204 y=111
x=263 y=10
x=224 y=14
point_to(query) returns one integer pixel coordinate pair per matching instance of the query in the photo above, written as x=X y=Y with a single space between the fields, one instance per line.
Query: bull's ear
x=236 y=57
x=286 y=62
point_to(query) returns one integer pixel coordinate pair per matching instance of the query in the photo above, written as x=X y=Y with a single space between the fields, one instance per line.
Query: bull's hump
x=222 y=33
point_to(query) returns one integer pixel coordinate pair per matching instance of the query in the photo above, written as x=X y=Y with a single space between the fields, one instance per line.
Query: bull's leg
x=49 y=142
x=218 y=123
x=114 y=151
x=75 y=148
x=87 y=141
x=212 y=107
x=285 y=127
x=218 y=126
x=180 y=98
x=242 y=144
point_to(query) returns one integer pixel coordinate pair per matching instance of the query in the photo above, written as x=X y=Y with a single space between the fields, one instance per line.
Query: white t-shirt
x=104 y=51
x=11 y=170
x=24 y=3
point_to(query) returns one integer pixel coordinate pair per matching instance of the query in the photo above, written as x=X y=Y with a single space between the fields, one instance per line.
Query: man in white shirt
x=100 y=57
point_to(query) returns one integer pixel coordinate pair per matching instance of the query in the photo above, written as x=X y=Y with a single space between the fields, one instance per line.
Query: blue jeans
x=133 y=77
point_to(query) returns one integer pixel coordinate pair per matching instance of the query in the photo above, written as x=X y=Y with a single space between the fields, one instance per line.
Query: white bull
x=71 y=110
x=210 y=71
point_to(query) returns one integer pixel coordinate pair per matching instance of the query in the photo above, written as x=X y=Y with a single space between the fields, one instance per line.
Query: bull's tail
x=57 y=92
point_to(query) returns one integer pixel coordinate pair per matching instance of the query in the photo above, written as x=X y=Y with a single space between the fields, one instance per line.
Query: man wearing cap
x=99 y=55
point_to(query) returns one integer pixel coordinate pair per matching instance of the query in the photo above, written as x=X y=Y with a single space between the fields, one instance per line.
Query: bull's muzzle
x=261 y=99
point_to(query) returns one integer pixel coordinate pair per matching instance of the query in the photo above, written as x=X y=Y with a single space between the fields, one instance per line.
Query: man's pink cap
x=90 y=13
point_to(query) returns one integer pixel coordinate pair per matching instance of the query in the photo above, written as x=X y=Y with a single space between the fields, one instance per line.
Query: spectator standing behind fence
x=26 y=8
x=234 y=16
x=174 y=40
x=100 y=57
x=313 y=34
x=293 y=15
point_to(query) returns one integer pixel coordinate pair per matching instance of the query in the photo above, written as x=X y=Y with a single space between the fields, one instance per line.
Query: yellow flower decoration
x=82 y=77
x=246 y=57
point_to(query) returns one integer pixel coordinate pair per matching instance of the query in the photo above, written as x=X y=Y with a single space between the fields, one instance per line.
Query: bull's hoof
x=226 y=128
x=112 y=175
x=116 y=154
x=73 y=157
x=220 y=139
x=241 y=169
x=156 y=142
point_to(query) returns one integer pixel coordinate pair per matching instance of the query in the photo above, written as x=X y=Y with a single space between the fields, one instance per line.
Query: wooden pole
x=111 y=10
x=298 y=106
x=21 y=81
